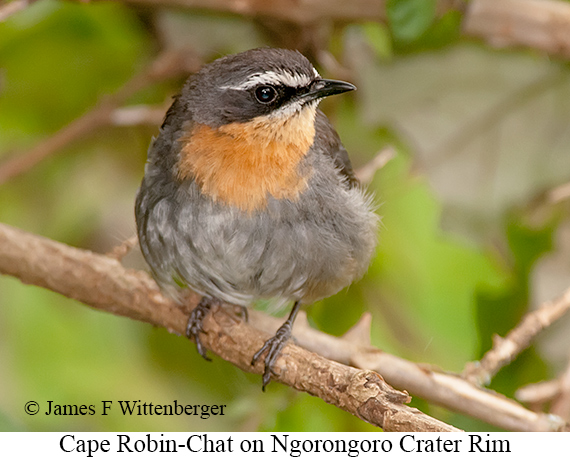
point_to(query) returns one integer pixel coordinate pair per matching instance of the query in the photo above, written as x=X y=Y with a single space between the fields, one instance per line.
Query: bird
x=249 y=194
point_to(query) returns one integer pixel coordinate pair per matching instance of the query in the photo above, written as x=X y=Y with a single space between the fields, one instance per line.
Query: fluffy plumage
x=243 y=200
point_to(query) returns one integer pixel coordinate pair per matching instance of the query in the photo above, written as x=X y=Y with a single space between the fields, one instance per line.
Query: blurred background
x=474 y=204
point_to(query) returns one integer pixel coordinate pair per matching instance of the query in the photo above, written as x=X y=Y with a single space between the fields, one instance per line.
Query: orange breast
x=243 y=164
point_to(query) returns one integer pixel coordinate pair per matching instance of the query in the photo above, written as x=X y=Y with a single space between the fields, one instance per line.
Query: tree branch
x=445 y=389
x=561 y=404
x=555 y=391
x=505 y=349
x=166 y=65
x=539 y=24
x=103 y=283
x=285 y=10
x=559 y=194
x=10 y=8
x=139 y=115
x=539 y=393
x=365 y=174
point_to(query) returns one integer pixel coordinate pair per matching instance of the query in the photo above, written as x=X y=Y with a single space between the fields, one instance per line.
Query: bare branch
x=538 y=24
x=444 y=389
x=555 y=391
x=457 y=394
x=138 y=115
x=76 y=129
x=366 y=173
x=299 y=12
x=541 y=24
x=561 y=403
x=10 y=8
x=505 y=349
x=167 y=65
x=302 y=13
x=121 y=250
x=103 y=283
x=559 y=194
x=539 y=393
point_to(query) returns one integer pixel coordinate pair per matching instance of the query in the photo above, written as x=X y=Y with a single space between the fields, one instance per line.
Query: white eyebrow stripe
x=271 y=77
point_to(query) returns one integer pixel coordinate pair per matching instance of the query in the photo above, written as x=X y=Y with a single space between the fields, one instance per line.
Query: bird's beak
x=324 y=87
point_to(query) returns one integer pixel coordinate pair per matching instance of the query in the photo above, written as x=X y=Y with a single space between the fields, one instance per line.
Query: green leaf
x=379 y=39
x=409 y=19
x=499 y=311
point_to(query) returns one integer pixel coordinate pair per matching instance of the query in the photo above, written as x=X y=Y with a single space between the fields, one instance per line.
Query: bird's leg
x=194 y=326
x=274 y=345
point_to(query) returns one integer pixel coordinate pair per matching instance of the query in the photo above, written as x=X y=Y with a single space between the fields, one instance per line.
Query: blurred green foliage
x=410 y=19
x=436 y=297
x=415 y=26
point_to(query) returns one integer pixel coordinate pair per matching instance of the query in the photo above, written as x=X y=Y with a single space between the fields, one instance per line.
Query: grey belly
x=304 y=250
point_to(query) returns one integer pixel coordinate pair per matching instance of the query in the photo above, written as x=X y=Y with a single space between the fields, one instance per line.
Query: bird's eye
x=265 y=94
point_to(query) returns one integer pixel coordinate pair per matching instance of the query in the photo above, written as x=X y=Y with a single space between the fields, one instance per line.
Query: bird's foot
x=273 y=347
x=196 y=320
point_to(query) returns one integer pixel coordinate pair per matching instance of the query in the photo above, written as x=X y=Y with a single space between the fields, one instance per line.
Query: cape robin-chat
x=249 y=194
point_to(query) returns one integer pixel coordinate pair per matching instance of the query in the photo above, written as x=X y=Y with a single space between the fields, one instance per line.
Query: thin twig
x=80 y=127
x=559 y=194
x=505 y=349
x=139 y=115
x=555 y=391
x=561 y=403
x=366 y=173
x=121 y=250
x=103 y=283
x=167 y=65
x=10 y=8
x=539 y=393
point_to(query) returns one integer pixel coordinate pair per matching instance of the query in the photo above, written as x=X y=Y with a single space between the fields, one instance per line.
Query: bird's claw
x=273 y=347
x=195 y=324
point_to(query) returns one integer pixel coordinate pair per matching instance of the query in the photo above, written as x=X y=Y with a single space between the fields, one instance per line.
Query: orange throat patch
x=243 y=164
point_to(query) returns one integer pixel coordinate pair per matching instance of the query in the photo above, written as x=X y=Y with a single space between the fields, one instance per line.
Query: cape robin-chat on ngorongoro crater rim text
x=249 y=194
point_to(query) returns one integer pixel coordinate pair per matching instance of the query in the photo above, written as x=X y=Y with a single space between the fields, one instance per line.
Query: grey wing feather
x=332 y=145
